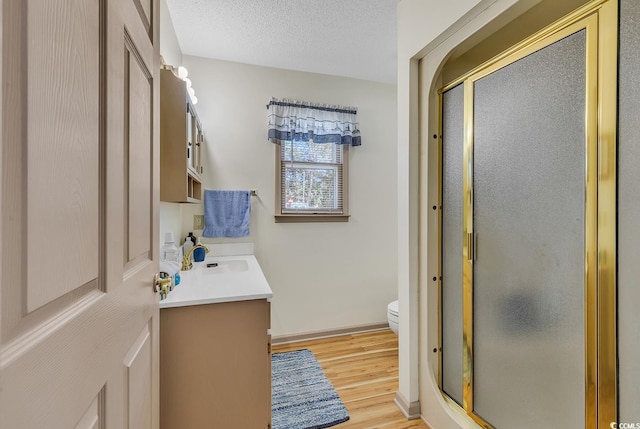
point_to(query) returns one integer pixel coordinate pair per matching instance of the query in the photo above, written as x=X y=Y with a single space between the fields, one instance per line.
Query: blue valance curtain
x=291 y=120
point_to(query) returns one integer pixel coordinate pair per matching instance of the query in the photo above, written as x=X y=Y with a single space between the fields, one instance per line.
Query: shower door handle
x=472 y=246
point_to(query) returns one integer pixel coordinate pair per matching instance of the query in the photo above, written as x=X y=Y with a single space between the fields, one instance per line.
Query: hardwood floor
x=364 y=371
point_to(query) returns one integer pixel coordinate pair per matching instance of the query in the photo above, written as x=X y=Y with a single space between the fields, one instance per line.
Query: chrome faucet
x=186 y=260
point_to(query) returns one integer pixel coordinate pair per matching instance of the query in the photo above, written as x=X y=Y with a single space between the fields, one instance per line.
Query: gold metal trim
x=607 y=213
x=575 y=16
x=467 y=263
x=471 y=418
x=591 y=222
x=468 y=257
x=536 y=45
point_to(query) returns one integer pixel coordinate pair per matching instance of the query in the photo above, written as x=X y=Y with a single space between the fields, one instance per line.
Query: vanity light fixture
x=183 y=72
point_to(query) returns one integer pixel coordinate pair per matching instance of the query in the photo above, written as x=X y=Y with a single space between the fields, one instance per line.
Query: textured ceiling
x=353 y=38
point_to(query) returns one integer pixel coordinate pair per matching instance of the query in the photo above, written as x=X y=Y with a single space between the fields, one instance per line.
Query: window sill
x=300 y=218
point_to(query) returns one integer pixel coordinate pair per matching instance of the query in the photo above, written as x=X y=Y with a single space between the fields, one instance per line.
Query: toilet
x=392 y=316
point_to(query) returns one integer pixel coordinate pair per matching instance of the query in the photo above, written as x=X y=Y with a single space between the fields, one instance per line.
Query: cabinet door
x=191 y=136
x=215 y=366
x=197 y=150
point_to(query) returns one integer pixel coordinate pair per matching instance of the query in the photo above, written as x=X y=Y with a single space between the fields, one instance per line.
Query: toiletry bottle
x=188 y=244
x=198 y=254
x=192 y=238
x=170 y=252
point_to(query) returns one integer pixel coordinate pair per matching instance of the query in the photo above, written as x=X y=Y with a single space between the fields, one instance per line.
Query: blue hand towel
x=226 y=213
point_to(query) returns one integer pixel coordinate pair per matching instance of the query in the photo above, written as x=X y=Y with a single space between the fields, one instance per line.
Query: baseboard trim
x=285 y=339
x=410 y=410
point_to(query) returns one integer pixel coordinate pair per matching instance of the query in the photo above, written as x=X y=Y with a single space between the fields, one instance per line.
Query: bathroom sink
x=212 y=266
x=229 y=278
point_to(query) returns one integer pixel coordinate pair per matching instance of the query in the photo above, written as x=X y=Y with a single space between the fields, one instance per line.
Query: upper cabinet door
x=180 y=142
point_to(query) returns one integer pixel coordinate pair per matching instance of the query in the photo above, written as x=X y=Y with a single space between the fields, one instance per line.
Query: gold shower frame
x=600 y=20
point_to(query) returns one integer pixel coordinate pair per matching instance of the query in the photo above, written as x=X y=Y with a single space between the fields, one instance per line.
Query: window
x=312 y=143
x=312 y=178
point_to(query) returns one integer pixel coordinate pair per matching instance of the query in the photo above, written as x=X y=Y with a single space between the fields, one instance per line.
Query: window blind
x=311 y=177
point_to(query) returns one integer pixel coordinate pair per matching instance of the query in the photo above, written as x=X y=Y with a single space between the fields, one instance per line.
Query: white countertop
x=236 y=278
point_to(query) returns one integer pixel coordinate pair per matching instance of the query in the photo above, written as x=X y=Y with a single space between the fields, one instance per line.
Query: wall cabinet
x=215 y=366
x=181 y=142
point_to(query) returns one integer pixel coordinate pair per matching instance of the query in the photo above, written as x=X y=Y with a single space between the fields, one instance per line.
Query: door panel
x=138 y=366
x=139 y=143
x=69 y=313
x=56 y=204
x=91 y=418
x=452 y=212
x=145 y=9
x=61 y=199
x=628 y=211
x=529 y=216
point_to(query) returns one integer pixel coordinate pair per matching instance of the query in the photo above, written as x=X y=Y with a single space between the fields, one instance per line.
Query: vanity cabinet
x=215 y=366
x=181 y=143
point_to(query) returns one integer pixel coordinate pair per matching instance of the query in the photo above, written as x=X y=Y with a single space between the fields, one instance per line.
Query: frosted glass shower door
x=529 y=187
x=451 y=232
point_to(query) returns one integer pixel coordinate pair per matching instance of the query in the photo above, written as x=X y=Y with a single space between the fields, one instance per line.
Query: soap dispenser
x=198 y=253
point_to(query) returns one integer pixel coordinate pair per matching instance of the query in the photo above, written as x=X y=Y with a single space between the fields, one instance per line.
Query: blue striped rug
x=301 y=395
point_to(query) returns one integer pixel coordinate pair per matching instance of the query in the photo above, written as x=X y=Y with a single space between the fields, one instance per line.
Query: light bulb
x=188 y=82
x=194 y=100
x=183 y=72
x=191 y=91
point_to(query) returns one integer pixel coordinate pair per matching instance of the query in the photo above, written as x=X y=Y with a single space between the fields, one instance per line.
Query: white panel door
x=79 y=197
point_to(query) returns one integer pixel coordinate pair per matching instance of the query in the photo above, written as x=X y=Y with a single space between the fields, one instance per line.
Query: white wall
x=170 y=218
x=169 y=47
x=324 y=275
x=427 y=31
x=421 y=24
